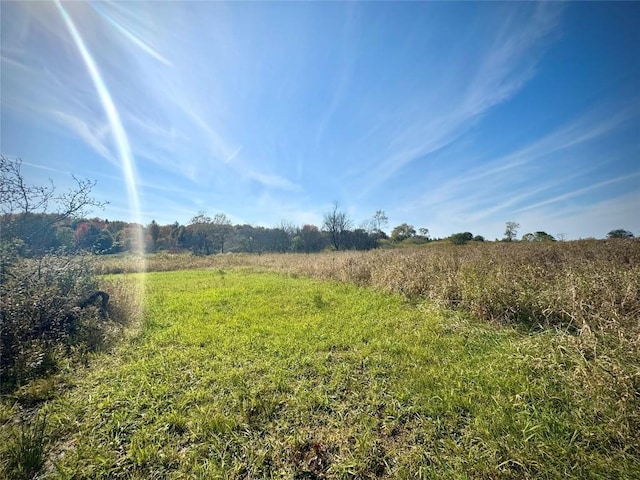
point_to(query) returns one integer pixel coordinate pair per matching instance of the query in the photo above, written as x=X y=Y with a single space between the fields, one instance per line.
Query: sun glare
x=127 y=161
x=119 y=135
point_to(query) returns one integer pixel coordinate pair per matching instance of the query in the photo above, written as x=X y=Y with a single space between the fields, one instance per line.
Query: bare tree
x=336 y=222
x=20 y=203
x=16 y=197
x=379 y=221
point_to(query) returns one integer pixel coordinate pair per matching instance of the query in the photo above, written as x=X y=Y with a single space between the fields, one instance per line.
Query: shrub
x=45 y=315
x=46 y=297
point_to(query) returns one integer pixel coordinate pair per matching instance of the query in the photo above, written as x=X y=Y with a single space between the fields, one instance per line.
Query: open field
x=245 y=375
x=580 y=286
x=265 y=367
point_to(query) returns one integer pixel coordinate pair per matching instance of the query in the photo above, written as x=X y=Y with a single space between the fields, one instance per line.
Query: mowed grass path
x=245 y=375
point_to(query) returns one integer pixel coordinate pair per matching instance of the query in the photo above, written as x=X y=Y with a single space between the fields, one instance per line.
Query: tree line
x=31 y=229
x=35 y=233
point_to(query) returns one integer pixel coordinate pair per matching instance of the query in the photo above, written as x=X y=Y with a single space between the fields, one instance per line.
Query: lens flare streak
x=119 y=134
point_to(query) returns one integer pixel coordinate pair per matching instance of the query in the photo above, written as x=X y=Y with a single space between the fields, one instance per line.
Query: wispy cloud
x=505 y=64
x=95 y=135
x=130 y=35
x=501 y=174
x=510 y=59
x=594 y=220
x=45 y=167
x=579 y=191
x=11 y=58
x=531 y=181
x=347 y=57
x=273 y=181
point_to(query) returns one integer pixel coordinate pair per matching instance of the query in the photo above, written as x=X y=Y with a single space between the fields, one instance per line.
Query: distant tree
x=280 y=238
x=221 y=229
x=86 y=236
x=336 y=223
x=620 y=233
x=403 y=232
x=263 y=239
x=538 y=237
x=201 y=232
x=288 y=227
x=164 y=240
x=311 y=239
x=379 y=221
x=178 y=236
x=297 y=244
x=424 y=232
x=130 y=237
x=104 y=243
x=242 y=239
x=544 y=237
x=360 y=239
x=200 y=219
x=561 y=236
x=65 y=237
x=154 y=233
x=511 y=231
x=461 y=238
x=478 y=238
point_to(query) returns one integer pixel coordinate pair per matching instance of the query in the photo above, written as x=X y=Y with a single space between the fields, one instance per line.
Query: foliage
x=461 y=238
x=310 y=239
x=42 y=317
x=221 y=230
x=359 y=239
x=154 y=233
x=620 y=233
x=403 y=232
x=209 y=235
x=200 y=228
x=538 y=237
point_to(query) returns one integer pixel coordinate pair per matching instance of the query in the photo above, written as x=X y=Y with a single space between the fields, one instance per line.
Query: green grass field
x=233 y=374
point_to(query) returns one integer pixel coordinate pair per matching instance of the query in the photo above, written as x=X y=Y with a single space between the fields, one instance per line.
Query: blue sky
x=450 y=116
